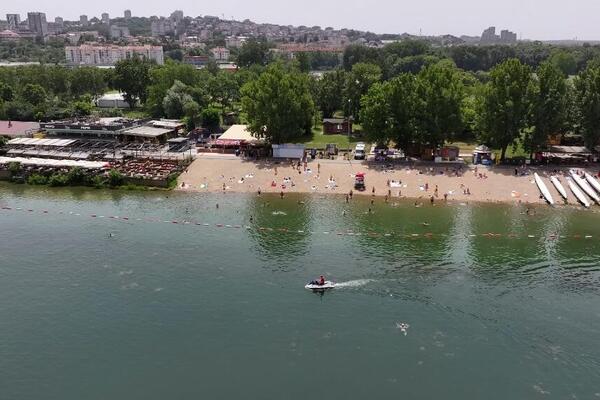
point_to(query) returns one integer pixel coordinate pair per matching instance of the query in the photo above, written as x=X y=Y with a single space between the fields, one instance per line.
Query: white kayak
x=543 y=189
x=586 y=187
x=593 y=181
x=578 y=193
x=313 y=286
x=559 y=186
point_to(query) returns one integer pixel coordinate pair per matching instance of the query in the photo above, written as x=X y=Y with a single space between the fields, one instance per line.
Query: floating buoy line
x=403 y=235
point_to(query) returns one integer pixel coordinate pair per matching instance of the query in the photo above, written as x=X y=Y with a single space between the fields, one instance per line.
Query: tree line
x=413 y=55
x=516 y=104
x=406 y=94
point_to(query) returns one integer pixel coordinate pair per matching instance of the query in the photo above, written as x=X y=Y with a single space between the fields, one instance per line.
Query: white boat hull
x=578 y=193
x=327 y=285
x=593 y=181
x=586 y=187
x=543 y=189
x=559 y=187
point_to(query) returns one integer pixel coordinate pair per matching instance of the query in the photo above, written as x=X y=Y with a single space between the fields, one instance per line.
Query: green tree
x=88 y=80
x=278 y=105
x=393 y=66
x=210 y=118
x=329 y=92
x=224 y=89
x=587 y=104
x=19 y=110
x=407 y=48
x=505 y=105
x=162 y=79
x=389 y=111
x=564 y=61
x=132 y=77
x=253 y=52
x=440 y=93
x=83 y=106
x=376 y=114
x=357 y=53
x=34 y=94
x=176 y=99
x=7 y=93
x=191 y=110
x=358 y=82
x=303 y=60
x=549 y=106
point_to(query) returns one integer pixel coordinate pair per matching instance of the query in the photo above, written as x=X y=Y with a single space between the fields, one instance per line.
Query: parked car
x=359 y=151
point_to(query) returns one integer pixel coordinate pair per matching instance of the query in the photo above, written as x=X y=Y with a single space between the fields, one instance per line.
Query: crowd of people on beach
x=435 y=183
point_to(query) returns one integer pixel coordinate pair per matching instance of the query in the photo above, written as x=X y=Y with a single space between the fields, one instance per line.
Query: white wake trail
x=354 y=283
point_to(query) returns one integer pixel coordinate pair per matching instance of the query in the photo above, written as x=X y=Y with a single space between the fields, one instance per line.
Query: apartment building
x=105 y=55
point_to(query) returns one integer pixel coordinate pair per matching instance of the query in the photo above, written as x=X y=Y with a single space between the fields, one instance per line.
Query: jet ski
x=314 y=285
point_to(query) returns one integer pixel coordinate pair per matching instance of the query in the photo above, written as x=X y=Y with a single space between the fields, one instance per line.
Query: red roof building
x=7 y=35
x=15 y=129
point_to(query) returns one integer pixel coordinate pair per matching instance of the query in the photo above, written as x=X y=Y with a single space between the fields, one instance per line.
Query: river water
x=164 y=302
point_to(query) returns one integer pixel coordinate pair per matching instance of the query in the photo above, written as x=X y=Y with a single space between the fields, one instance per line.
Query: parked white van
x=359 y=151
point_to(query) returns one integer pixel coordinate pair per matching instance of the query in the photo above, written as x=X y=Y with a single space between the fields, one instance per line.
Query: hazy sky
x=531 y=19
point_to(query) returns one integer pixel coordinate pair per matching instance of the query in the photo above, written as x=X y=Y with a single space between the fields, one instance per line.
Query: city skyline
x=543 y=20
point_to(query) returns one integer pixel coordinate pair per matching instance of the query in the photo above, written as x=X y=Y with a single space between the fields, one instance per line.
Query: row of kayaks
x=581 y=187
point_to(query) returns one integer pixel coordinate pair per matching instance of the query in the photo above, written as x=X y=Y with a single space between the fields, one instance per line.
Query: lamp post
x=350 y=113
x=348 y=121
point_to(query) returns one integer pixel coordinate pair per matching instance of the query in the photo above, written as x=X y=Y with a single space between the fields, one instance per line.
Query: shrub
x=58 y=180
x=97 y=182
x=37 y=179
x=115 y=178
x=14 y=167
x=76 y=177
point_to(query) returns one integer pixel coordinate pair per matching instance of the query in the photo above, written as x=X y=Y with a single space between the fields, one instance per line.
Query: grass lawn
x=319 y=140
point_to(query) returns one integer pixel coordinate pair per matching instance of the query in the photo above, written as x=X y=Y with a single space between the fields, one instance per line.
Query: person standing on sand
x=445 y=196
x=318 y=168
x=276 y=170
x=281 y=194
x=347 y=199
x=373 y=191
x=432 y=200
x=426 y=186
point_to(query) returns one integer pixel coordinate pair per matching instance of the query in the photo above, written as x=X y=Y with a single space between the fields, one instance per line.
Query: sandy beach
x=218 y=173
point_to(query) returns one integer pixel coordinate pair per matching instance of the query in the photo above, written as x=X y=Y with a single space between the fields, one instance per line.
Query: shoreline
x=230 y=174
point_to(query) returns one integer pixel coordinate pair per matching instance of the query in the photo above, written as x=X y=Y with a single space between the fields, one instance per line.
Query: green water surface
x=93 y=307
